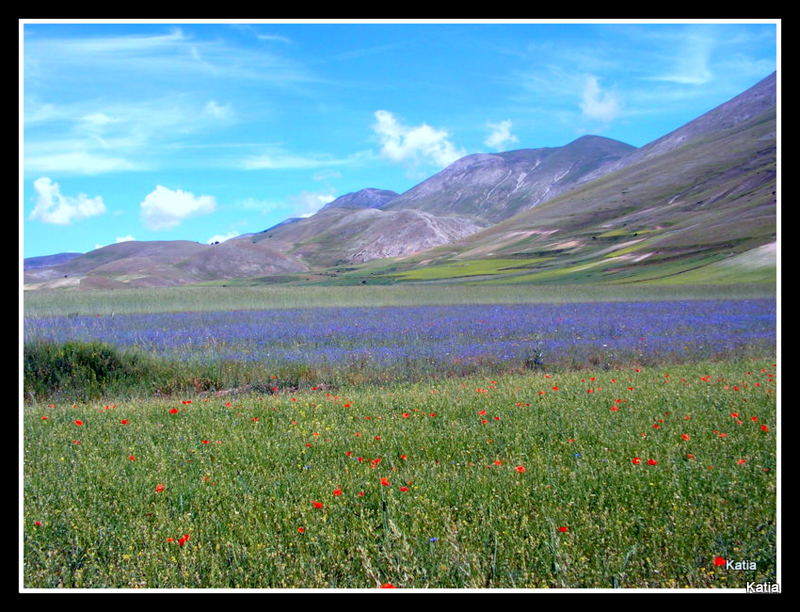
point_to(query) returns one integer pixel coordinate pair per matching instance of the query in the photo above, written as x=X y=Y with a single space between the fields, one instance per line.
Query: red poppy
x=563 y=529
x=78 y=422
x=690 y=456
x=159 y=488
x=317 y=505
x=636 y=461
x=741 y=461
x=404 y=489
x=124 y=421
x=719 y=561
x=206 y=442
x=388 y=585
x=685 y=436
x=44 y=418
x=406 y=415
x=174 y=411
x=520 y=468
x=183 y=539
x=337 y=492
x=37 y=523
x=361 y=493
x=754 y=419
x=764 y=428
x=301 y=530
x=652 y=462
x=614 y=408
x=498 y=462
x=403 y=457
x=385 y=482
x=131 y=458
x=377 y=437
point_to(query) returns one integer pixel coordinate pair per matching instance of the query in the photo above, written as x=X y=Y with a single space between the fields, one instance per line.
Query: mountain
x=164 y=263
x=676 y=209
x=365 y=198
x=337 y=236
x=490 y=187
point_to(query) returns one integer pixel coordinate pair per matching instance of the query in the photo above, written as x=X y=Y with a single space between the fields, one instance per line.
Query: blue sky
x=202 y=131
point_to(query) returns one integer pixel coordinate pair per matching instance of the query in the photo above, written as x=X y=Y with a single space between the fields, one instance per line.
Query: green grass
x=178 y=299
x=93 y=517
x=459 y=269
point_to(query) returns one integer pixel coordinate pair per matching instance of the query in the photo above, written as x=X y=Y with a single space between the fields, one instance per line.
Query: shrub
x=89 y=370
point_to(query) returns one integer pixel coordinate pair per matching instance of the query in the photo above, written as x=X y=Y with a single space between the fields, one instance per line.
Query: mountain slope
x=758 y=99
x=164 y=263
x=493 y=187
x=341 y=236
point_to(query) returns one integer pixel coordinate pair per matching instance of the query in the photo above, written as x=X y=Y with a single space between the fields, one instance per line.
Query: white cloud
x=501 y=135
x=308 y=203
x=326 y=175
x=97 y=120
x=274 y=37
x=166 y=208
x=415 y=145
x=690 y=52
x=119 y=239
x=54 y=207
x=280 y=160
x=218 y=111
x=221 y=237
x=598 y=104
x=77 y=162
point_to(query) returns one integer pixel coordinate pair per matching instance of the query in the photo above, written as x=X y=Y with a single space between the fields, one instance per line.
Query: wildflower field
x=523 y=453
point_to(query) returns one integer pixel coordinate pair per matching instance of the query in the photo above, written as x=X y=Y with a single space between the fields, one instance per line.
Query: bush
x=90 y=370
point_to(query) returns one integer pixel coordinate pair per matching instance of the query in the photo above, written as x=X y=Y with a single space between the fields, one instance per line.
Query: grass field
x=644 y=476
x=178 y=299
x=526 y=481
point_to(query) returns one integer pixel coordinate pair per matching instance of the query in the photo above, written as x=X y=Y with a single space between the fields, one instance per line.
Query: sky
x=205 y=130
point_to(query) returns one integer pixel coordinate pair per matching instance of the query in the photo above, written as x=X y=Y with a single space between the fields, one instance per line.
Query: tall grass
x=239 y=476
x=180 y=299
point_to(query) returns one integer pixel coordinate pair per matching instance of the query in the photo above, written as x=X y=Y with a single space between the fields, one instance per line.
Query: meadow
x=531 y=457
